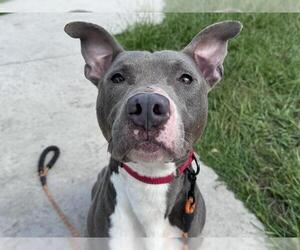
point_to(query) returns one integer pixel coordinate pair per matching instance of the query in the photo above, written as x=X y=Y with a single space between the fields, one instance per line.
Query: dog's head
x=152 y=106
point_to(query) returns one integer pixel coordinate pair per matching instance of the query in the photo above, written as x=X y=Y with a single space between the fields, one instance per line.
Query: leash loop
x=52 y=161
x=43 y=168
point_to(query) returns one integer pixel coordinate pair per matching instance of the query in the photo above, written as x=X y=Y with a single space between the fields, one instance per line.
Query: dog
x=151 y=108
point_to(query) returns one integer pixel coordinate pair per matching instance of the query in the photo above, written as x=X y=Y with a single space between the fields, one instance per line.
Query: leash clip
x=190 y=202
x=192 y=177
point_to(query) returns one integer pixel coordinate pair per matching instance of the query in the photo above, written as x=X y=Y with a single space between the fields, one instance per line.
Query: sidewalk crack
x=36 y=60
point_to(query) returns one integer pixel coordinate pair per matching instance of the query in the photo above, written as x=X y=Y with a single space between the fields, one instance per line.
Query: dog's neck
x=149 y=204
x=144 y=202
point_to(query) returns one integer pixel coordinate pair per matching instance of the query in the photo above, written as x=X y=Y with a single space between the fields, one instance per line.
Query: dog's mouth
x=148 y=146
x=148 y=151
x=132 y=145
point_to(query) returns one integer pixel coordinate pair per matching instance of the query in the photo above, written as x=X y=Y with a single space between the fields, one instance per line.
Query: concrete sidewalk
x=100 y=6
x=44 y=100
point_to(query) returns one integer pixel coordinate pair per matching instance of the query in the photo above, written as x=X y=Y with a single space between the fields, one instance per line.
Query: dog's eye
x=117 y=78
x=186 y=79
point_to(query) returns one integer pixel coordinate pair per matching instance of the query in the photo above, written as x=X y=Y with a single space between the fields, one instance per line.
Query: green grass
x=253 y=135
x=237 y=5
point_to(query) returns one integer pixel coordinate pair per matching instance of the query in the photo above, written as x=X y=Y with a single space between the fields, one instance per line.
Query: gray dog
x=151 y=108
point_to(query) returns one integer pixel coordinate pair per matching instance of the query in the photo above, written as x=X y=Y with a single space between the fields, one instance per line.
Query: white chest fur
x=140 y=207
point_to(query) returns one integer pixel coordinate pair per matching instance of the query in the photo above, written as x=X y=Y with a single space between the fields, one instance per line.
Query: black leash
x=43 y=169
x=192 y=177
x=190 y=203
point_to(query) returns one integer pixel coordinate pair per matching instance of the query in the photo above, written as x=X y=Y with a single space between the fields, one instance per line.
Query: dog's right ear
x=98 y=48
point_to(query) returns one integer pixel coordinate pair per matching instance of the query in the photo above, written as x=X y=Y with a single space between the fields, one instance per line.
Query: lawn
x=253 y=135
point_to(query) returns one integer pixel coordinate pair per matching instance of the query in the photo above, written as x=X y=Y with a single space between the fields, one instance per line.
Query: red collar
x=160 y=180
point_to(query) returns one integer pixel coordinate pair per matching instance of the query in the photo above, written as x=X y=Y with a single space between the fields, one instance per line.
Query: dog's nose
x=148 y=110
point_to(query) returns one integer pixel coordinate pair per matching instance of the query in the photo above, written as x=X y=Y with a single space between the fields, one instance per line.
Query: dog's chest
x=140 y=209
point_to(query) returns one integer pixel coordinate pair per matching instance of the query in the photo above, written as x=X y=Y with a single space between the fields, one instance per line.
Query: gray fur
x=144 y=71
x=103 y=202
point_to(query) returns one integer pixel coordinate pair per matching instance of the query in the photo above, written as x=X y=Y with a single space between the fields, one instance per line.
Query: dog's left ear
x=209 y=49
